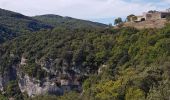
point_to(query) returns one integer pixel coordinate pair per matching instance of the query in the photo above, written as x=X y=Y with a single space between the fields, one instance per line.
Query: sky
x=103 y=11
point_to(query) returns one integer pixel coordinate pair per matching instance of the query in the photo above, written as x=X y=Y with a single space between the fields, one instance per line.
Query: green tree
x=13 y=90
x=118 y=21
x=134 y=94
x=2 y=97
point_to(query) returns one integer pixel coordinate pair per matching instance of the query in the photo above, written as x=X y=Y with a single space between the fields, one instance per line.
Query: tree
x=13 y=90
x=134 y=94
x=118 y=21
x=152 y=11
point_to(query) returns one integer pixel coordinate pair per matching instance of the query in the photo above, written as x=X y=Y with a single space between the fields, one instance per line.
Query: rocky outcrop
x=57 y=84
x=60 y=79
x=8 y=76
x=23 y=61
x=34 y=87
x=4 y=81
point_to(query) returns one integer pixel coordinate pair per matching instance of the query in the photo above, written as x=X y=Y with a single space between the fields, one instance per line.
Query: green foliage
x=14 y=24
x=135 y=94
x=137 y=60
x=12 y=90
x=118 y=21
x=67 y=96
x=107 y=91
x=70 y=96
x=145 y=50
x=43 y=97
x=68 y=22
x=34 y=70
x=2 y=97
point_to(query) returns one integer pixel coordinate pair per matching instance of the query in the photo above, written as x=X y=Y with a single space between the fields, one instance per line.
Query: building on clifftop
x=151 y=15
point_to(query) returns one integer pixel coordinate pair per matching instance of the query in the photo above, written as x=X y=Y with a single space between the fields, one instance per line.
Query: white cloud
x=77 y=8
x=168 y=1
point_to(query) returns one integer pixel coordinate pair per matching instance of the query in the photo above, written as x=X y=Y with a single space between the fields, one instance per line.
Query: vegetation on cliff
x=136 y=62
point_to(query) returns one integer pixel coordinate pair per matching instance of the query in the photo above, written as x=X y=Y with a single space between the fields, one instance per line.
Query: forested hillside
x=14 y=24
x=68 y=22
x=81 y=60
x=134 y=65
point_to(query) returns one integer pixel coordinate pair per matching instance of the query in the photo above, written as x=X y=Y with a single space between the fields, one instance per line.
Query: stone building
x=140 y=18
x=152 y=15
x=156 y=15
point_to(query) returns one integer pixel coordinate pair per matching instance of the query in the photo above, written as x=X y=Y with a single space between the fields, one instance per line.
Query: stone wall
x=153 y=16
x=164 y=15
x=156 y=15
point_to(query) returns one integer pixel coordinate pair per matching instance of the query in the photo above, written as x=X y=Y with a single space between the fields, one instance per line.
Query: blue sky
x=96 y=10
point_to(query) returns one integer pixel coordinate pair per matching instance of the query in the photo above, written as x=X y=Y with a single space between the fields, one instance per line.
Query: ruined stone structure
x=152 y=15
x=156 y=15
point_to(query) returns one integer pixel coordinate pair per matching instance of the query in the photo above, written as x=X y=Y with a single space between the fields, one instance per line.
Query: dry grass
x=146 y=24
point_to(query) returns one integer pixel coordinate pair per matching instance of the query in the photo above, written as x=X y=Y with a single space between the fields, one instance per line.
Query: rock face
x=7 y=76
x=34 y=87
x=23 y=61
x=3 y=82
x=61 y=81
